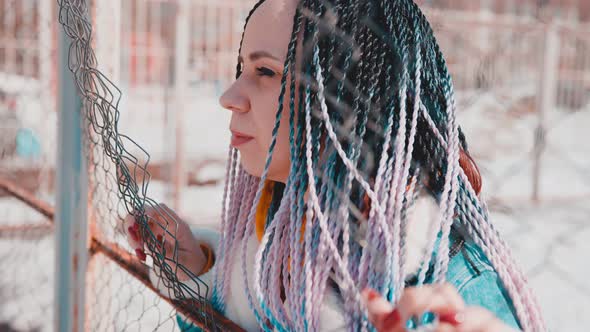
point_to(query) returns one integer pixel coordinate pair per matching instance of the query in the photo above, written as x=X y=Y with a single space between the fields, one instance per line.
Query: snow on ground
x=27 y=262
x=549 y=240
x=503 y=145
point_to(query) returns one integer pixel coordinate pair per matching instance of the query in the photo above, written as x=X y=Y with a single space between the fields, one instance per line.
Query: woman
x=349 y=186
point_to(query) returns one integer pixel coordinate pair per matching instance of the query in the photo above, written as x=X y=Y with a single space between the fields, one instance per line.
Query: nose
x=234 y=99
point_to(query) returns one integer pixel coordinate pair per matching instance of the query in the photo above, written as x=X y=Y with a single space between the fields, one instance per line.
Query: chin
x=252 y=168
x=278 y=171
x=257 y=169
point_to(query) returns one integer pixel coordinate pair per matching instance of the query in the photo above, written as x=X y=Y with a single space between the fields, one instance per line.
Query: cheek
x=279 y=168
x=280 y=165
x=283 y=152
x=266 y=124
x=265 y=113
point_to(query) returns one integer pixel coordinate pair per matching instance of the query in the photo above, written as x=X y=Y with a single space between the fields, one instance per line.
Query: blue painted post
x=71 y=202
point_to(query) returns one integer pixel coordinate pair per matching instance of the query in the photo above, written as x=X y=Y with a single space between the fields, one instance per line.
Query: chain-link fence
x=524 y=103
x=124 y=164
x=27 y=162
x=119 y=295
x=522 y=85
x=523 y=88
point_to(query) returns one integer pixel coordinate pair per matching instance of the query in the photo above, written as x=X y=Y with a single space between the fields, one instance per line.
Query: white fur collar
x=420 y=217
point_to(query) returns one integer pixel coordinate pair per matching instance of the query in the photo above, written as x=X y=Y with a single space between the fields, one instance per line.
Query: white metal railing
x=142 y=45
x=149 y=54
x=153 y=53
x=23 y=40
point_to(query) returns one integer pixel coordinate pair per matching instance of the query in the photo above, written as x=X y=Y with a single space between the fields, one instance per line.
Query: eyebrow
x=257 y=55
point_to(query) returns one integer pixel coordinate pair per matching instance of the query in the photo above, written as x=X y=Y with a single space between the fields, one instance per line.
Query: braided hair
x=376 y=118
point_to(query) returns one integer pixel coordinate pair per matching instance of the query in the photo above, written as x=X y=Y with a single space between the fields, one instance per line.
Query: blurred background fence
x=522 y=74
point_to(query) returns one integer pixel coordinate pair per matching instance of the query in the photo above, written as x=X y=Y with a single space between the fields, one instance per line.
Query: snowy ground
x=549 y=240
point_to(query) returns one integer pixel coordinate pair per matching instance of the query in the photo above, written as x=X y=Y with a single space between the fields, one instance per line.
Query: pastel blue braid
x=375 y=115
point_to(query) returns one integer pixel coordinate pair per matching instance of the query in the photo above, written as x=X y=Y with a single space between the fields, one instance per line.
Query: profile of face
x=253 y=96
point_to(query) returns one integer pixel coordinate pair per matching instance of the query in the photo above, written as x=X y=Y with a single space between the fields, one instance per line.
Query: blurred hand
x=169 y=231
x=442 y=300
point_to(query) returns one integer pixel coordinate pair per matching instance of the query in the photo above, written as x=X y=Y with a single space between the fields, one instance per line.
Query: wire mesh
x=524 y=117
x=119 y=181
x=505 y=90
x=497 y=68
x=120 y=302
x=27 y=161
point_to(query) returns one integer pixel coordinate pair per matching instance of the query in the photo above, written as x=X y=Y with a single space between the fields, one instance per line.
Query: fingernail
x=133 y=234
x=452 y=318
x=392 y=319
x=375 y=303
x=159 y=238
x=142 y=256
x=369 y=294
x=372 y=294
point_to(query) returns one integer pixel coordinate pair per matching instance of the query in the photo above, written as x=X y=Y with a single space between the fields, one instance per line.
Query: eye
x=263 y=71
x=240 y=70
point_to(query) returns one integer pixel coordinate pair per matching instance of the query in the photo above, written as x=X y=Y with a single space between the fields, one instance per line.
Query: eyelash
x=263 y=71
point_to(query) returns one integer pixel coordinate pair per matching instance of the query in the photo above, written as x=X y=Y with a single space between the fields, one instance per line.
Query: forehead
x=269 y=28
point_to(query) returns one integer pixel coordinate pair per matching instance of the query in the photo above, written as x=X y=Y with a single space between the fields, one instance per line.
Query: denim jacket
x=469 y=271
x=479 y=284
x=475 y=279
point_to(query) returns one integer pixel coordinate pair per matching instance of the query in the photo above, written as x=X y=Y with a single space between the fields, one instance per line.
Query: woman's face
x=253 y=97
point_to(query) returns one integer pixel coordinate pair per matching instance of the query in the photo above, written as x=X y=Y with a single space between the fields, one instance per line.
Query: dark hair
x=376 y=118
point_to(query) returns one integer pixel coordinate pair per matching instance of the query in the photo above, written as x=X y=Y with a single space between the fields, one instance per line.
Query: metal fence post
x=71 y=202
x=181 y=59
x=546 y=101
x=107 y=34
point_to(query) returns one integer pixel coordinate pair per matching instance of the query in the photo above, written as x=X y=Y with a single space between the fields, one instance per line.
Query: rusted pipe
x=28 y=198
x=132 y=265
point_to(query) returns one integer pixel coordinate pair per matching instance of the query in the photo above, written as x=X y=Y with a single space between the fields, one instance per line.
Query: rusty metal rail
x=27 y=197
x=118 y=255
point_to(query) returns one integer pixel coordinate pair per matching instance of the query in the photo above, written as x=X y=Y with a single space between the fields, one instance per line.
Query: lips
x=238 y=138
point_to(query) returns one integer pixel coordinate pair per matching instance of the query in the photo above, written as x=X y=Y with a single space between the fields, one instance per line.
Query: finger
x=477 y=319
x=171 y=213
x=443 y=327
x=391 y=322
x=132 y=232
x=381 y=313
x=162 y=221
x=438 y=299
x=164 y=251
x=163 y=214
x=156 y=222
x=448 y=322
x=376 y=304
x=169 y=247
x=173 y=221
x=139 y=235
x=171 y=250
